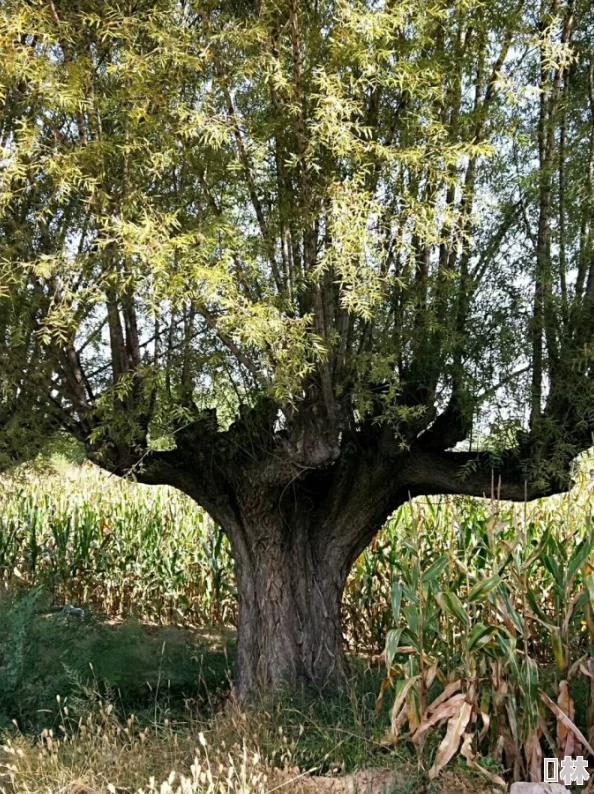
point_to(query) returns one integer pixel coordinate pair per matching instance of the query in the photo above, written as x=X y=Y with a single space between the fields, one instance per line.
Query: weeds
x=296 y=745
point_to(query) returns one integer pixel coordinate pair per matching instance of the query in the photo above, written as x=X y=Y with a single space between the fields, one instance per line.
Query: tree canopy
x=380 y=212
x=261 y=237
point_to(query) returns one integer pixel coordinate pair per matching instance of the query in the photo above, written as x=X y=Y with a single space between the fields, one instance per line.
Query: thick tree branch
x=471 y=474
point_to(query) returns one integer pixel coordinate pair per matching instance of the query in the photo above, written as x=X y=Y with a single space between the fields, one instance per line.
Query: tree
x=287 y=257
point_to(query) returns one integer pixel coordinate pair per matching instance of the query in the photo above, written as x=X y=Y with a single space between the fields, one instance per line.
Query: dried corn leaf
x=561 y=715
x=466 y=752
x=444 y=712
x=451 y=742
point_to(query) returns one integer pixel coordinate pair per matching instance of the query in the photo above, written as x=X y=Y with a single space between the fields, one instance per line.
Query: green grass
x=153 y=672
x=59 y=673
x=172 y=673
x=339 y=732
x=166 y=672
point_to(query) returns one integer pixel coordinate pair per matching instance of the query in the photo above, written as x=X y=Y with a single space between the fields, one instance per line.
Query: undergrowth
x=44 y=655
x=301 y=743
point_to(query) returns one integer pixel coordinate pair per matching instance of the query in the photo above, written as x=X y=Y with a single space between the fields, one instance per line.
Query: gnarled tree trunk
x=295 y=532
x=294 y=549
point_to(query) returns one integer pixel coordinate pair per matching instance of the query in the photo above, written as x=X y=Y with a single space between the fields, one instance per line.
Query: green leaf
x=411 y=615
x=392 y=644
x=535 y=607
x=451 y=604
x=544 y=542
x=589 y=582
x=578 y=558
x=516 y=619
x=529 y=677
x=410 y=638
x=508 y=648
x=482 y=589
x=434 y=571
x=410 y=594
x=554 y=569
x=558 y=648
x=396 y=600
x=479 y=636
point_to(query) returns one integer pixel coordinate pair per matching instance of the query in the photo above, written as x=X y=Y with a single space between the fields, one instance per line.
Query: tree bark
x=290 y=594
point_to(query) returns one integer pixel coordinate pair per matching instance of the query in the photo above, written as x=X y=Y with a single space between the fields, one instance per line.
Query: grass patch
x=334 y=734
x=151 y=671
x=173 y=674
x=105 y=706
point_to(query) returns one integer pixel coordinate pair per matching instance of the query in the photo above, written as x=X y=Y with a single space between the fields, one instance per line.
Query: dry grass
x=104 y=754
x=232 y=752
x=103 y=757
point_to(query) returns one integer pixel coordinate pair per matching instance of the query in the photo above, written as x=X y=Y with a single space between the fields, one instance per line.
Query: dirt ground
x=384 y=781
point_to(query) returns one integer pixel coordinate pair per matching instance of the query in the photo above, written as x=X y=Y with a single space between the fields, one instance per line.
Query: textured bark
x=294 y=548
x=290 y=600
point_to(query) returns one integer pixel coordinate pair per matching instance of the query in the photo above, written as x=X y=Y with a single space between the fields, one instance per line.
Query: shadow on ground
x=139 y=668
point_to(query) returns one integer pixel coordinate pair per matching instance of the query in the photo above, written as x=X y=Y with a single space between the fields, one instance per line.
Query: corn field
x=492 y=632
x=116 y=547
x=481 y=611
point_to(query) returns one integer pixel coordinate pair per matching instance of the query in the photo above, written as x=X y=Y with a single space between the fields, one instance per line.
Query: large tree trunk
x=296 y=530
x=291 y=575
x=294 y=546
x=289 y=622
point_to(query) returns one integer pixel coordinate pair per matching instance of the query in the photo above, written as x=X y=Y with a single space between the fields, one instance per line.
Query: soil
x=383 y=781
